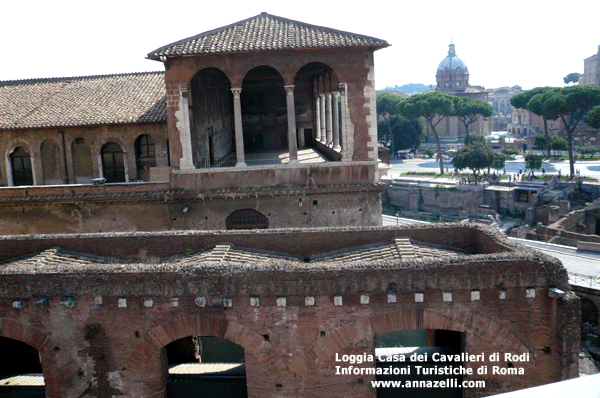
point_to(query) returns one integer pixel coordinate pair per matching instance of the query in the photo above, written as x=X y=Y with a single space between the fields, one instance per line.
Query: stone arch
x=264 y=110
x=147 y=352
x=500 y=337
x=81 y=155
x=113 y=161
x=54 y=362
x=246 y=219
x=52 y=166
x=212 y=126
x=20 y=164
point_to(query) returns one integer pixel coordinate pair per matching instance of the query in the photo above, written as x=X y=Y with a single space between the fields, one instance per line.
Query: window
x=20 y=162
x=113 y=166
x=246 y=219
x=144 y=146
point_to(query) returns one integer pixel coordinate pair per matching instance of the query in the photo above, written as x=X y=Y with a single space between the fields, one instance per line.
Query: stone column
x=291 y=116
x=328 y=120
x=336 y=122
x=317 y=118
x=323 y=122
x=239 y=132
x=348 y=139
x=185 y=136
x=301 y=143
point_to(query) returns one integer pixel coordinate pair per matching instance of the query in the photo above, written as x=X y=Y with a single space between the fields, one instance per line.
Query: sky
x=503 y=43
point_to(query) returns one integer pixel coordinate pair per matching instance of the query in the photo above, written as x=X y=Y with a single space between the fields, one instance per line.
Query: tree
x=510 y=151
x=468 y=110
x=388 y=117
x=523 y=101
x=475 y=156
x=540 y=142
x=570 y=104
x=472 y=138
x=571 y=78
x=533 y=161
x=559 y=144
x=433 y=107
x=499 y=160
x=592 y=118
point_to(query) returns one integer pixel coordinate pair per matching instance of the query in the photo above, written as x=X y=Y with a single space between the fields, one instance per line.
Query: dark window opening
x=144 y=156
x=418 y=342
x=21 y=373
x=205 y=366
x=113 y=166
x=20 y=162
x=246 y=219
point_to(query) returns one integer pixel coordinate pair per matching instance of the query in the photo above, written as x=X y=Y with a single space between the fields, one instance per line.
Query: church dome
x=452 y=62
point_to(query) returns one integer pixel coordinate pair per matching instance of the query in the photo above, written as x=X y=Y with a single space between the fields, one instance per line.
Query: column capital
x=289 y=89
x=236 y=92
x=342 y=87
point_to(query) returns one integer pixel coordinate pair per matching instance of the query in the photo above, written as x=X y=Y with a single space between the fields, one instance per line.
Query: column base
x=241 y=164
x=337 y=148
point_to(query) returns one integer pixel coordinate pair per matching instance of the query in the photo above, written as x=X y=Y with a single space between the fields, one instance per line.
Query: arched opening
x=312 y=79
x=145 y=156
x=264 y=110
x=20 y=163
x=82 y=161
x=246 y=219
x=113 y=165
x=408 y=355
x=21 y=372
x=213 y=143
x=205 y=366
x=51 y=164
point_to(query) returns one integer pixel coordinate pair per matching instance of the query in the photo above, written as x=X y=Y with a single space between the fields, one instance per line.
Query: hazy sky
x=504 y=44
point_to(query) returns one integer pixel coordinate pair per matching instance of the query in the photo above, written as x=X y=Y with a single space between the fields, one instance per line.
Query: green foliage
x=592 y=118
x=475 y=156
x=533 y=161
x=510 y=151
x=468 y=110
x=588 y=150
x=559 y=144
x=433 y=107
x=472 y=138
x=540 y=142
x=570 y=104
x=571 y=78
x=499 y=160
x=429 y=152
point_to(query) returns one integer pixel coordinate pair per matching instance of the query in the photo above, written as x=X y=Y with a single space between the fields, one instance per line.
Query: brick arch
x=499 y=336
x=194 y=325
x=51 y=356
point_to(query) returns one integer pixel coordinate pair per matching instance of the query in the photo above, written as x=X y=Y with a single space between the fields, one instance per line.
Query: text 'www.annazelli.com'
x=447 y=383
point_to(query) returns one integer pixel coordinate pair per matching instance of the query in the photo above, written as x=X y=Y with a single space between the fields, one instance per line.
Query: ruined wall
x=102 y=332
x=438 y=199
x=155 y=207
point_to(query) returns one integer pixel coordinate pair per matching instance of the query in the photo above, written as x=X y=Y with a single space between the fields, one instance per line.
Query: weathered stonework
x=118 y=341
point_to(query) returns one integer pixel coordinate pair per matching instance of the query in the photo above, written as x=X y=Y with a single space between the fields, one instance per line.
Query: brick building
x=591 y=70
x=117 y=314
x=267 y=122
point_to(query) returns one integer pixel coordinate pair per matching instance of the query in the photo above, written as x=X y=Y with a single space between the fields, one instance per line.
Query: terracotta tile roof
x=83 y=101
x=228 y=256
x=262 y=33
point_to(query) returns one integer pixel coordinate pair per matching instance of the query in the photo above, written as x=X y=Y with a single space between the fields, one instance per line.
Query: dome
x=452 y=62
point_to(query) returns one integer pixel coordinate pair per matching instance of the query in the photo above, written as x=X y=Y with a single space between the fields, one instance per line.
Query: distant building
x=452 y=77
x=499 y=98
x=591 y=70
